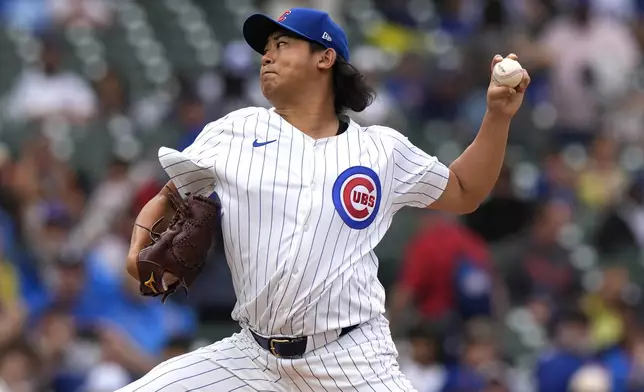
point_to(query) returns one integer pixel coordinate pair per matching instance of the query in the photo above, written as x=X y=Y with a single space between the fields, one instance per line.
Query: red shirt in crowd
x=430 y=261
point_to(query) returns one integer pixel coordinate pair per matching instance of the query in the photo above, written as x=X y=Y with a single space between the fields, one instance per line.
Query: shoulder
x=387 y=137
x=227 y=122
x=241 y=114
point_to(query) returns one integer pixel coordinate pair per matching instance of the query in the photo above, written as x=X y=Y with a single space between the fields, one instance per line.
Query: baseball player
x=304 y=196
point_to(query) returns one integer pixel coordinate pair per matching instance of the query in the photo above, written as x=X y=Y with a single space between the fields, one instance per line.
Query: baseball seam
x=500 y=78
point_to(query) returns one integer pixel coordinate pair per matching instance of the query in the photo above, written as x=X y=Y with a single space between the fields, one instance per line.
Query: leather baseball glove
x=176 y=256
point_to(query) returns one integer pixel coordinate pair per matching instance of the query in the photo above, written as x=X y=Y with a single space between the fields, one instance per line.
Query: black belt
x=283 y=347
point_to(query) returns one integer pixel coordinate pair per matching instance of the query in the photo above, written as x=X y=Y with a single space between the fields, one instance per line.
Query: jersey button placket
x=303 y=217
x=308 y=179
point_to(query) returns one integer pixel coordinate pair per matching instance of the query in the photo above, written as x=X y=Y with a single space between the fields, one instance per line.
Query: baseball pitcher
x=303 y=196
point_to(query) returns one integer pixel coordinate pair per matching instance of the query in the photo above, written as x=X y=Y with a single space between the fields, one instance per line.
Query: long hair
x=350 y=88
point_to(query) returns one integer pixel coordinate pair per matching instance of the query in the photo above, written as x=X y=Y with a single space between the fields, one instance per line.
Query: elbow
x=469 y=204
x=471 y=201
x=456 y=205
x=468 y=208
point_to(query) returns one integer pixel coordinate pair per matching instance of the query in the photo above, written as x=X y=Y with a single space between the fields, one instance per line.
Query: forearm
x=154 y=210
x=479 y=166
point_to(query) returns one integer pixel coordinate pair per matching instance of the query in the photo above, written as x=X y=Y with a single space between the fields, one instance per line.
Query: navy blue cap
x=310 y=24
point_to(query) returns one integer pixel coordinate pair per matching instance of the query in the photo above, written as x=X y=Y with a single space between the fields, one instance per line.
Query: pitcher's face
x=288 y=66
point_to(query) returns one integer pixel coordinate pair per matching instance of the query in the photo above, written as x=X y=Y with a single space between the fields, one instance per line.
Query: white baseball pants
x=362 y=360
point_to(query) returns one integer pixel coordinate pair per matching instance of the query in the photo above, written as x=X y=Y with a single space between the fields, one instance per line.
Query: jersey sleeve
x=192 y=170
x=419 y=178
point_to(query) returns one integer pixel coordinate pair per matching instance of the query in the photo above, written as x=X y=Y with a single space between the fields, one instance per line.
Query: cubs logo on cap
x=284 y=15
x=309 y=24
x=356 y=196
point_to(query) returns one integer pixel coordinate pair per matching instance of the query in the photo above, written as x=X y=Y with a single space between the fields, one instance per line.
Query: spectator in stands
x=423 y=362
x=625 y=362
x=236 y=67
x=41 y=179
x=489 y=40
x=114 y=370
x=621 y=231
x=602 y=181
x=50 y=91
x=105 y=256
x=446 y=273
x=233 y=84
x=384 y=109
x=12 y=313
x=503 y=215
x=624 y=123
x=54 y=339
x=605 y=308
x=407 y=85
x=53 y=234
x=479 y=367
x=192 y=117
x=528 y=23
x=112 y=95
x=135 y=330
x=571 y=350
x=454 y=18
x=69 y=289
x=95 y=13
x=110 y=199
x=20 y=369
x=536 y=263
x=580 y=84
x=11 y=234
x=557 y=180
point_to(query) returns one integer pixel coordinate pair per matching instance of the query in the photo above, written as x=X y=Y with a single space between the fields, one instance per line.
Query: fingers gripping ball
x=507 y=72
x=181 y=250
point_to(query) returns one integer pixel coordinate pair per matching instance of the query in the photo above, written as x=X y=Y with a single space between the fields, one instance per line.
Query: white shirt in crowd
x=38 y=95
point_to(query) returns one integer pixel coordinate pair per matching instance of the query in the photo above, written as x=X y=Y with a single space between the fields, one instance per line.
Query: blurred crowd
x=539 y=290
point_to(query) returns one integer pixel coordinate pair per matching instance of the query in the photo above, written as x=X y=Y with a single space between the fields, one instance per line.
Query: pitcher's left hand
x=503 y=100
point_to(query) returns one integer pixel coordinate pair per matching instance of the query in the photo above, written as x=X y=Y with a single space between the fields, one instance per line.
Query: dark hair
x=350 y=89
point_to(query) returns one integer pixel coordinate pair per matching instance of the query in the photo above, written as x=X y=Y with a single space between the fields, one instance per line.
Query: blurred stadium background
x=539 y=290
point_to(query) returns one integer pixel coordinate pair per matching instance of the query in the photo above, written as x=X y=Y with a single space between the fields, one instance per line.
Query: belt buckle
x=271 y=345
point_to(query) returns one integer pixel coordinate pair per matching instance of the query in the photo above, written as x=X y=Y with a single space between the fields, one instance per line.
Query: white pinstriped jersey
x=301 y=216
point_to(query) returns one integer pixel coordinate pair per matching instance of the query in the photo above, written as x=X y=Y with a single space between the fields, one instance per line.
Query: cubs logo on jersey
x=356 y=196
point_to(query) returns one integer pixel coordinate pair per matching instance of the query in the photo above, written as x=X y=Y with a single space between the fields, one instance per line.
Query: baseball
x=507 y=72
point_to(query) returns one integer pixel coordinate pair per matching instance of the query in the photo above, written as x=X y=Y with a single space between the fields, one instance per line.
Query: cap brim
x=258 y=27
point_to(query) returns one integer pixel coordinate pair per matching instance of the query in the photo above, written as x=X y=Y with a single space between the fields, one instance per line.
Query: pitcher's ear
x=326 y=59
